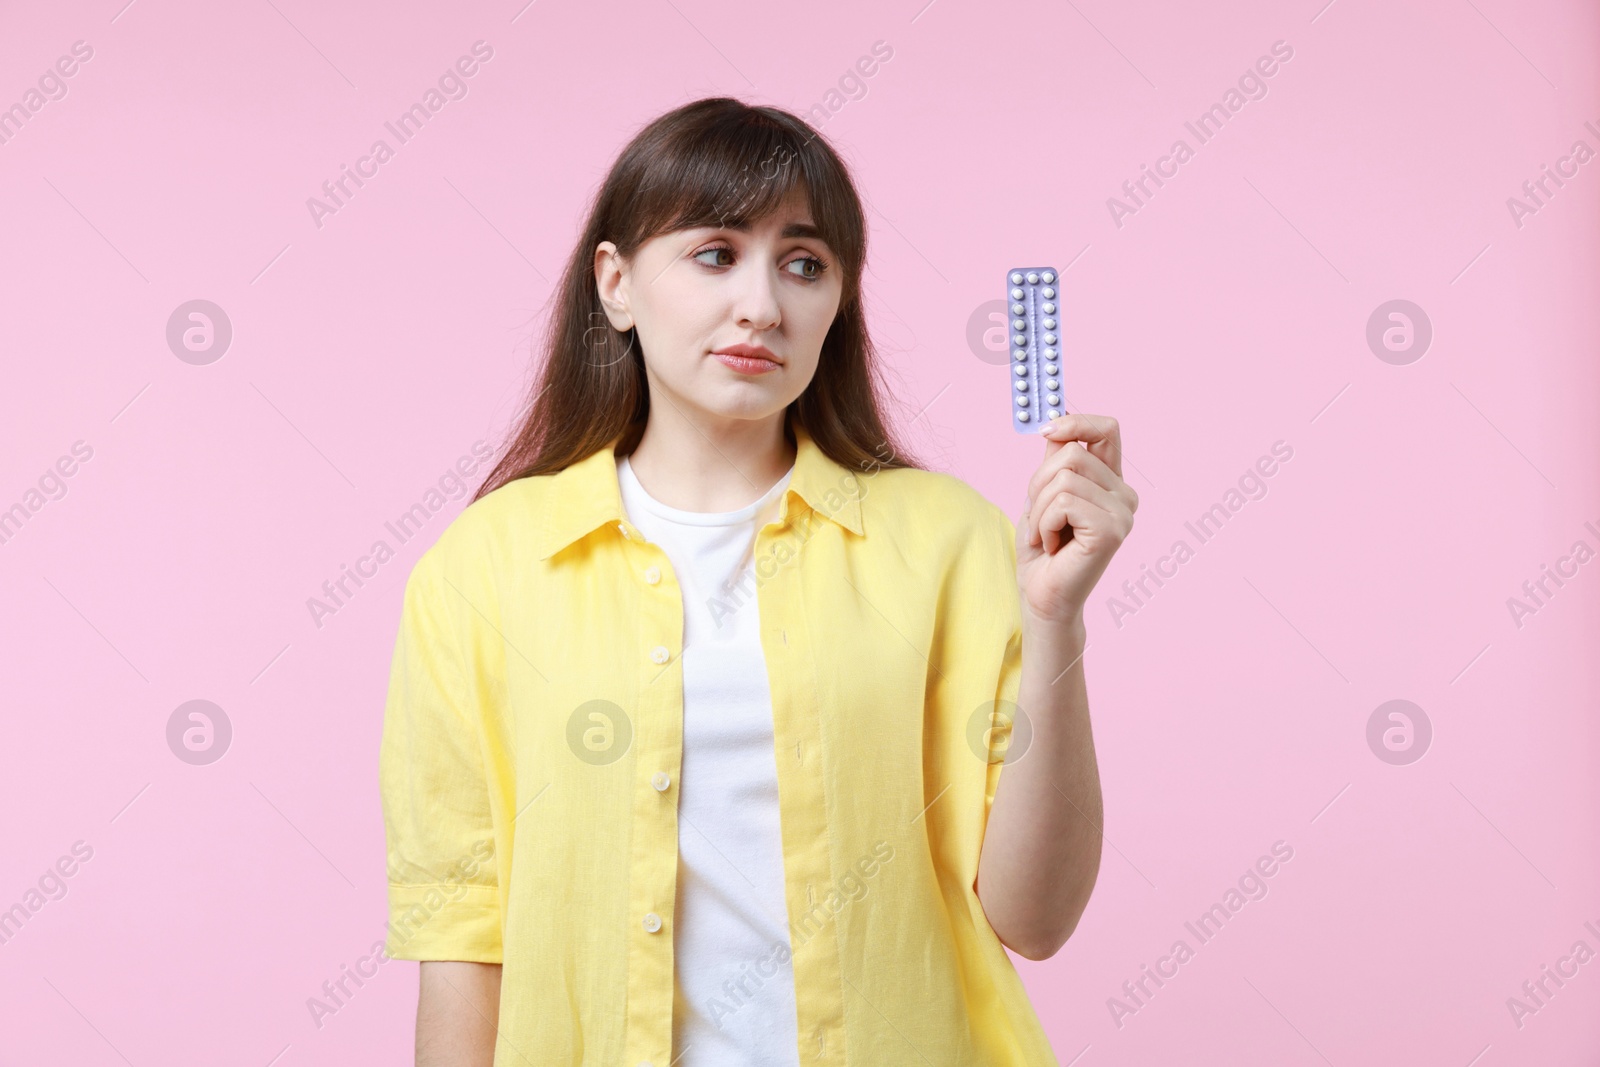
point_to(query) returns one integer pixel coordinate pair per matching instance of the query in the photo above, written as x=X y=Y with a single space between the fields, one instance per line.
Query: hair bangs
x=739 y=173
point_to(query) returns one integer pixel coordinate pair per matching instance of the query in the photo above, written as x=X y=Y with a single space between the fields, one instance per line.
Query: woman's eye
x=712 y=252
x=817 y=265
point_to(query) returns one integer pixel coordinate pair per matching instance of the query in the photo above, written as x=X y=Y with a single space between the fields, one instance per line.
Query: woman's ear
x=611 y=279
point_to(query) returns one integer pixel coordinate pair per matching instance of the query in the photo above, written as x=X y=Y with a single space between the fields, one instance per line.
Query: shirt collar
x=585 y=495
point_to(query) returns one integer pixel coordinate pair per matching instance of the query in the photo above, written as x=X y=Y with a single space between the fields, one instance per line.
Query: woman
x=697 y=713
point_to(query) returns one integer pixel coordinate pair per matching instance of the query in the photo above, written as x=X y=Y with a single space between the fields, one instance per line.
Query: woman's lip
x=746 y=364
x=757 y=351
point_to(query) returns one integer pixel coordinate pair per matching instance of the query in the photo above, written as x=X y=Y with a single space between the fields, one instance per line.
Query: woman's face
x=697 y=295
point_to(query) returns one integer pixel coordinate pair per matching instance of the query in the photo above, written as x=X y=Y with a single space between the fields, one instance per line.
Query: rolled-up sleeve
x=444 y=895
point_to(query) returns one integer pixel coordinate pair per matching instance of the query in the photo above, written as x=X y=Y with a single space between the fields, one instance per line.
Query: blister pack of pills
x=1034 y=303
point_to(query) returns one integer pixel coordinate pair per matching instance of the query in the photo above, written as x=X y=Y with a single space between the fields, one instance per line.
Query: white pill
x=1049 y=276
x=1033 y=279
x=1019 y=353
x=1016 y=294
x=1049 y=293
x=1017 y=309
x=1049 y=309
x=1022 y=385
x=1049 y=324
x=1055 y=413
x=1021 y=369
x=1016 y=277
x=1022 y=416
x=1051 y=368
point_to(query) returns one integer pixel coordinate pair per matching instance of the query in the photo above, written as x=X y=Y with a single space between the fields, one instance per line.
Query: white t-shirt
x=733 y=1003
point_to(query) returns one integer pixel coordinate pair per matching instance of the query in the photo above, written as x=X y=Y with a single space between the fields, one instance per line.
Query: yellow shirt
x=531 y=748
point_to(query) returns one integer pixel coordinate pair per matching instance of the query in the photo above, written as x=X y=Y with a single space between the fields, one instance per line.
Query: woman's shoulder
x=903 y=486
x=480 y=536
x=932 y=507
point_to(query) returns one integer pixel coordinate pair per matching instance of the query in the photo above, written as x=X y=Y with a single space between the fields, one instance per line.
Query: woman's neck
x=715 y=469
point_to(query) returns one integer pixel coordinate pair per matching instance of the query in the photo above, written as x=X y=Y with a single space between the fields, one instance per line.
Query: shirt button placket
x=655 y=850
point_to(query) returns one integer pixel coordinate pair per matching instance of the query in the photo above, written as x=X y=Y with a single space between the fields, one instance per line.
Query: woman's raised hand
x=1079 y=512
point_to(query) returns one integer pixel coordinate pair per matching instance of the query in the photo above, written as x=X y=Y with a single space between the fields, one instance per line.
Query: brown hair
x=713 y=162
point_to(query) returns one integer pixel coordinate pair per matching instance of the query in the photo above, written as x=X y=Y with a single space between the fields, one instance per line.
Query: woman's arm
x=458 y=1009
x=1041 y=850
x=1041 y=846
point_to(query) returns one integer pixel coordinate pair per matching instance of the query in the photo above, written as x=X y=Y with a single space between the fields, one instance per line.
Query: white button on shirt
x=661 y=779
x=652 y=575
x=660 y=654
x=652 y=921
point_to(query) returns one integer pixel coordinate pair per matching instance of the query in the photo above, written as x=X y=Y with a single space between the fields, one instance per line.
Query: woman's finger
x=1101 y=433
x=1075 y=455
x=1065 y=481
x=1067 y=513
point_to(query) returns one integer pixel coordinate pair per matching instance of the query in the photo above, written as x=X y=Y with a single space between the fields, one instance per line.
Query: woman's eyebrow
x=793 y=229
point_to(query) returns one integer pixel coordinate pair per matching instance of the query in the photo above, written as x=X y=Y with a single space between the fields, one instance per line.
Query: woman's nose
x=758 y=301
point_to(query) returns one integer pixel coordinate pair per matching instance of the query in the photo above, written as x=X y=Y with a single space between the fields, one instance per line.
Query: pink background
x=1228 y=313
